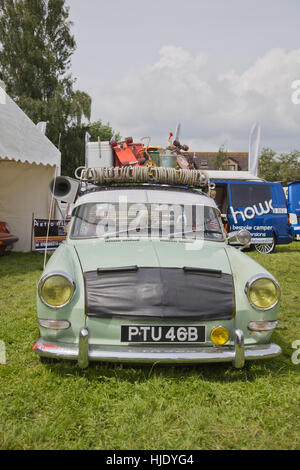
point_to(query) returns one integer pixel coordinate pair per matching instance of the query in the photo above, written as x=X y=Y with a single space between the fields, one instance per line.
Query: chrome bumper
x=85 y=352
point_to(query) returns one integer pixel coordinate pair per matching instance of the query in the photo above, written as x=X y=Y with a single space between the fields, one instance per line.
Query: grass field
x=58 y=406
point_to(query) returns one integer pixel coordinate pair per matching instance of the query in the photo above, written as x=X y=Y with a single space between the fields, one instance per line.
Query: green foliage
x=104 y=131
x=36 y=48
x=268 y=167
x=220 y=159
x=289 y=166
x=35 y=58
x=284 y=167
x=72 y=143
x=72 y=146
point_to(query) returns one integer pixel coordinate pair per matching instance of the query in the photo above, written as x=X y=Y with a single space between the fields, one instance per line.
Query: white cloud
x=213 y=108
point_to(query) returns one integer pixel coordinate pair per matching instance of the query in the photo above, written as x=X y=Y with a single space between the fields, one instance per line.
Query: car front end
x=120 y=295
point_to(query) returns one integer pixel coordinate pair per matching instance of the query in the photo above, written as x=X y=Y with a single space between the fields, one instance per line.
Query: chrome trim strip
x=250 y=282
x=55 y=273
x=83 y=349
x=239 y=358
x=158 y=354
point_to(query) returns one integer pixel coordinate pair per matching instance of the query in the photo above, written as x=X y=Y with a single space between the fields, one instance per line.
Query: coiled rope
x=141 y=174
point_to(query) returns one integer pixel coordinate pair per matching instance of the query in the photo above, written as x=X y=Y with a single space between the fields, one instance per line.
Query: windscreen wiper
x=117 y=269
x=207 y=271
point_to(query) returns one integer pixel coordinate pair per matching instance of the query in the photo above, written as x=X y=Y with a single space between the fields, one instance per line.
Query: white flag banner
x=42 y=126
x=254 y=141
x=87 y=139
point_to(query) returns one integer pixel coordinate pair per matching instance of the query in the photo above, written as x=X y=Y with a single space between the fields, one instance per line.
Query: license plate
x=163 y=334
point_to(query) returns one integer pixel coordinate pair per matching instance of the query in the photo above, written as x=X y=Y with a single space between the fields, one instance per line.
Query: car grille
x=133 y=292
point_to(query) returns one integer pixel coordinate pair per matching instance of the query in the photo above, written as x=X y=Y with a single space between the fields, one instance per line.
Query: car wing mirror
x=241 y=237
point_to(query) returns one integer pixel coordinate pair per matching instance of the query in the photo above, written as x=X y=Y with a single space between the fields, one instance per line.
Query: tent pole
x=49 y=219
x=32 y=228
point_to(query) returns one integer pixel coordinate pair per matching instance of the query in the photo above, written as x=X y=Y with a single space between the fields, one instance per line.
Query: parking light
x=54 y=324
x=219 y=335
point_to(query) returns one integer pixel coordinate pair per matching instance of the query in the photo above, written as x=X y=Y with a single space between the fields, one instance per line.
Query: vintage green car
x=147 y=275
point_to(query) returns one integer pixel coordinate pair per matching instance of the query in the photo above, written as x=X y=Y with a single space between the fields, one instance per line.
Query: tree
x=36 y=46
x=73 y=143
x=35 y=56
x=289 y=167
x=284 y=167
x=220 y=159
x=268 y=166
x=104 y=131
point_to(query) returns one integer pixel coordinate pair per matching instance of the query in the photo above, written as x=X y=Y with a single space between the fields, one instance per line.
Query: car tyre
x=266 y=248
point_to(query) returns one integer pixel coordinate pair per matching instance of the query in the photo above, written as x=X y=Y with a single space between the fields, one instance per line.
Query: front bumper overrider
x=84 y=352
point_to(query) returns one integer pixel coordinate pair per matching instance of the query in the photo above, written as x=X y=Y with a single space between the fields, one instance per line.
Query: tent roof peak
x=20 y=139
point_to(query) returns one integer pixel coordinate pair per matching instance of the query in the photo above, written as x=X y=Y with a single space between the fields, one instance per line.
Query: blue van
x=246 y=201
x=293 y=195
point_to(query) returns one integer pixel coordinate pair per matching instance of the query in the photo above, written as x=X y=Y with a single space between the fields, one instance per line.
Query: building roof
x=205 y=160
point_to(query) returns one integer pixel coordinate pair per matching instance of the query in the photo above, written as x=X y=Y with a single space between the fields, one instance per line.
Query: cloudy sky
x=215 y=66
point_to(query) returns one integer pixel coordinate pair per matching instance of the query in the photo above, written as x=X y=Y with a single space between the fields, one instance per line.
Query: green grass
x=58 y=406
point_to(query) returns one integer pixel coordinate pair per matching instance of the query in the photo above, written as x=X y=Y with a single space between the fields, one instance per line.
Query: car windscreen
x=114 y=219
x=249 y=194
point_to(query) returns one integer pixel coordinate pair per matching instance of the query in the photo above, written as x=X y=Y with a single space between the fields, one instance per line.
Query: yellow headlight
x=219 y=335
x=56 y=290
x=263 y=293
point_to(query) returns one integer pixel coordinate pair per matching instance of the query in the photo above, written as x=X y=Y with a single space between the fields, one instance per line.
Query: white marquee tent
x=28 y=162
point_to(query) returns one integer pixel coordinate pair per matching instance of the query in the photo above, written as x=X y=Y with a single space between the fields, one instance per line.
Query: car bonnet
x=99 y=253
